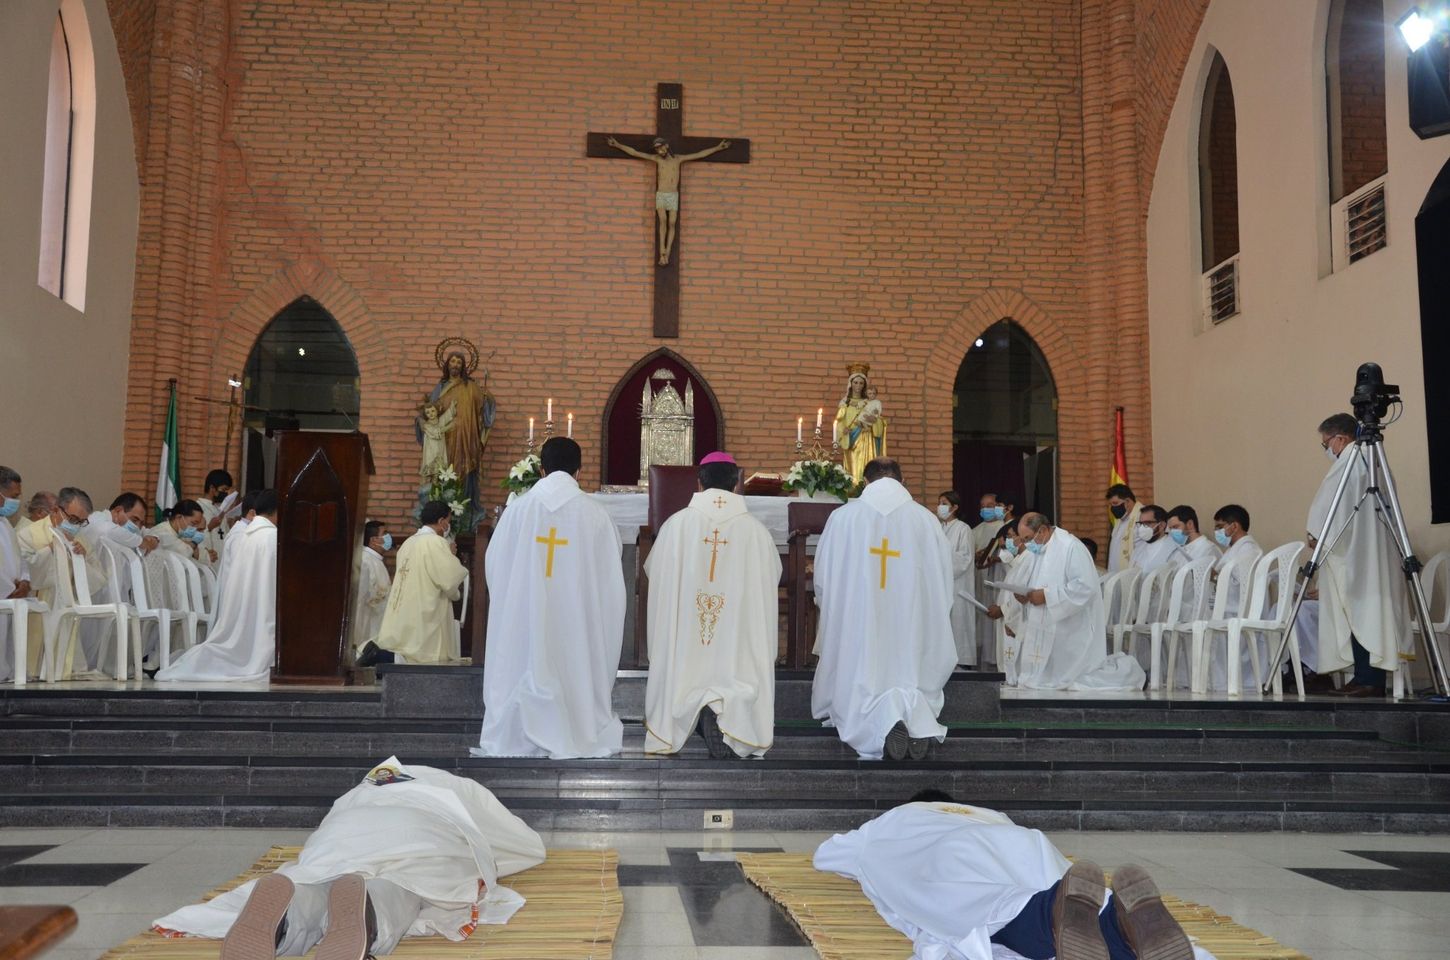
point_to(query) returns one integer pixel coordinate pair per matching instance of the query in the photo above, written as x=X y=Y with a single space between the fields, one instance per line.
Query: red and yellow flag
x=1119 y=472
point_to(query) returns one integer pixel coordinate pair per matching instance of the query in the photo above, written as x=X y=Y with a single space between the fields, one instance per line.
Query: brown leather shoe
x=1146 y=924
x=1075 y=928
x=257 y=932
x=351 y=927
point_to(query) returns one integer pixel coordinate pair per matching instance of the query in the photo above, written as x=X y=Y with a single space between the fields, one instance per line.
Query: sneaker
x=1075 y=928
x=257 y=932
x=898 y=742
x=714 y=737
x=351 y=924
x=1146 y=924
x=918 y=748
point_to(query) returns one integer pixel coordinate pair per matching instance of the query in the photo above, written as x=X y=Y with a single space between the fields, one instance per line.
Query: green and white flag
x=168 y=475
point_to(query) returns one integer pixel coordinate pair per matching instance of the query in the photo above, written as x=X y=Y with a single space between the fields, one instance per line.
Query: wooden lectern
x=322 y=484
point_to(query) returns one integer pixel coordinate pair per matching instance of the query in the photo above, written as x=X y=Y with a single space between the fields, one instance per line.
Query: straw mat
x=843 y=925
x=573 y=912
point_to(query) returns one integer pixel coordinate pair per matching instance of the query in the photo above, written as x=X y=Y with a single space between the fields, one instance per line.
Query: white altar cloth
x=630 y=511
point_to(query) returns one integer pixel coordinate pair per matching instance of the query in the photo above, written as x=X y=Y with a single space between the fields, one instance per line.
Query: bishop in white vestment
x=555 y=623
x=242 y=643
x=883 y=579
x=418 y=622
x=714 y=619
x=1063 y=621
x=428 y=848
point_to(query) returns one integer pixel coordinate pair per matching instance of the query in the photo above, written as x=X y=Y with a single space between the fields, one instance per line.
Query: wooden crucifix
x=668 y=149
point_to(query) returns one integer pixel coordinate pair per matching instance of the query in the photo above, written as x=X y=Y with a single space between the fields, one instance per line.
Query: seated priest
x=1124 y=508
x=555 y=623
x=1240 y=552
x=1063 y=624
x=65 y=532
x=1155 y=548
x=373 y=585
x=242 y=642
x=411 y=851
x=1183 y=529
x=14 y=572
x=39 y=507
x=714 y=616
x=182 y=533
x=120 y=530
x=884 y=584
x=964 y=567
x=966 y=883
x=417 y=626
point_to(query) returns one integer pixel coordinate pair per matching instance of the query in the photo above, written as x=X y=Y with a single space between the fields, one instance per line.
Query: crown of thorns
x=451 y=345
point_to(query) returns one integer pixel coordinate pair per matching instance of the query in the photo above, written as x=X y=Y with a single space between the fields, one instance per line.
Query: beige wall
x=63 y=371
x=1235 y=407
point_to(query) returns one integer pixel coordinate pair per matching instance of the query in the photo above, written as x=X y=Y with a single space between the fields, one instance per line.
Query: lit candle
x=819 y=412
x=800 y=422
x=531 y=429
x=549 y=411
x=834 y=426
x=571 y=425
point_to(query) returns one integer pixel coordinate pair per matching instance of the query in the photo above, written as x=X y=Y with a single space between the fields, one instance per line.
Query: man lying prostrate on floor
x=966 y=883
x=408 y=852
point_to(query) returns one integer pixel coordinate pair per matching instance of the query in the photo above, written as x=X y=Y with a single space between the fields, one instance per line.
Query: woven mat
x=842 y=924
x=573 y=911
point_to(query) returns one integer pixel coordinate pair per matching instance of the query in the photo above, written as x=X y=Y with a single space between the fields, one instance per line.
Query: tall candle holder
x=816 y=449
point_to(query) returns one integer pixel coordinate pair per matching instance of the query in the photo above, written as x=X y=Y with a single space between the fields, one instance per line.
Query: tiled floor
x=1336 y=897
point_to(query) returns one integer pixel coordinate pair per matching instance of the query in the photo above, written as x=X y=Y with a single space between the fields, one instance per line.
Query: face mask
x=192 y=534
x=1034 y=547
x=1221 y=537
x=131 y=527
x=70 y=529
x=989 y=513
x=1009 y=549
x=8 y=506
x=1119 y=512
x=1329 y=453
x=1144 y=533
x=944 y=511
x=999 y=513
x=387 y=541
x=1180 y=537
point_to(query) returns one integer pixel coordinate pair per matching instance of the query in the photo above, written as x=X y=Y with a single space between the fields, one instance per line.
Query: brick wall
x=920 y=171
x=1362 y=150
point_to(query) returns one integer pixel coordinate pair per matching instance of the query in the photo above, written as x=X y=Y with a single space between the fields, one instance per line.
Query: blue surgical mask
x=192 y=534
x=70 y=529
x=1221 y=537
x=989 y=513
x=387 y=541
x=999 y=513
x=1034 y=547
x=131 y=527
x=1180 y=536
x=8 y=506
x=1009 y=547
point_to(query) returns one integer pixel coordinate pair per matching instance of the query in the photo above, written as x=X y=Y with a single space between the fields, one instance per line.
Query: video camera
x=1372 y=396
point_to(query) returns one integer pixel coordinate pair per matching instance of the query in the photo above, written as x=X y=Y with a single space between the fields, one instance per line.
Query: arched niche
x=1432 y=252
x=619 y=459
x=1004 y=422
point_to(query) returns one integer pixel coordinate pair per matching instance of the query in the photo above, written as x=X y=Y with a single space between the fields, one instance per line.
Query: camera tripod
x=1380 y=492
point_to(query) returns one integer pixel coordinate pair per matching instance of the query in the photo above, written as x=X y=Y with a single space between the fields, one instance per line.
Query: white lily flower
x=457 y=506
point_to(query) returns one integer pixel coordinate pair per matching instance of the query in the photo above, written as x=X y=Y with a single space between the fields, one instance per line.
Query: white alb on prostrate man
x=714 y=572
x=411 y=851
x=884 y=585
x=1063 y=622
x=555 y=623
x=242 y=643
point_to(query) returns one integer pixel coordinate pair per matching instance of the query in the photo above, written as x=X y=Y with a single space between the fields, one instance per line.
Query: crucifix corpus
x=667 y=148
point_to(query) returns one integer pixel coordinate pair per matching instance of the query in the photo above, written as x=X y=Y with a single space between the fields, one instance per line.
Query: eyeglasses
x=75 y=520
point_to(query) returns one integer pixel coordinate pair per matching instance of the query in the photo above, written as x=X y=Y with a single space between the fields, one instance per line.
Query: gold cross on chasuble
x=715 y=544
x=885 y=553
x=551 y=541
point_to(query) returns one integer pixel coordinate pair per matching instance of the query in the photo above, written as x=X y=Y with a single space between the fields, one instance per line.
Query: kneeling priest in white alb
x=555 y=621
x=883 y=578
x=408 y=852
x=714 y=615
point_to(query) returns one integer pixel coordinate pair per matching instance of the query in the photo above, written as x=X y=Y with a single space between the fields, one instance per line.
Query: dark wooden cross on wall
x=669 y=149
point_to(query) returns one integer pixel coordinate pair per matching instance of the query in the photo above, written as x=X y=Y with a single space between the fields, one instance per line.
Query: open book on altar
x=763 y=485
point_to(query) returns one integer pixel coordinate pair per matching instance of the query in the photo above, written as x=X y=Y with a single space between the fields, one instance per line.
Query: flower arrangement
x=524 y=474
x=819 y=476
x=448 y=487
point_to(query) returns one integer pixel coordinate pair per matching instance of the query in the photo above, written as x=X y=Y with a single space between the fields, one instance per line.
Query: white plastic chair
x=1225 y=607
x=1266 y=617
x=1147 y=607
x=1118 y=592
x=143 y=611
x=73 y=604
x=201 y=594
x=1187 y=602
x=19 y=611
x=1436 y=580
x=455 y=647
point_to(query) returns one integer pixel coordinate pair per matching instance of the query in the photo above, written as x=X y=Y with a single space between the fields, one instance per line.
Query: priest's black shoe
x=898 y=742
x=257 y=932
x=371 y=655
x=714 y=736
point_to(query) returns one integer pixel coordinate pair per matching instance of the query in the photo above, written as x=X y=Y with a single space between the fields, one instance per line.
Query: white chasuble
x=242 y=642
x=224 y=565
x=1062 y=643
x=555 y=627
x=714 y=623
x=964 y=568
x=418 y=622
x=1123 y=539
x=1361 y=587
x=443 y=838
x=884 y=586
x=373 y=584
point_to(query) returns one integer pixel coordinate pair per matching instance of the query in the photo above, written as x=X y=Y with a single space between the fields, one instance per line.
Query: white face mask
x=1331 y=455
x=1144 y=533
x=944 y=511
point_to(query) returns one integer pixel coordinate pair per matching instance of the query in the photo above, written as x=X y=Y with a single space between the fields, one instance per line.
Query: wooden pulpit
x=322 y=484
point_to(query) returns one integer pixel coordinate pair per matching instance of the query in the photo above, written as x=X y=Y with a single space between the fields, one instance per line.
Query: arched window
x=1218 y=193
x=1354 y=60
x=70 y=135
